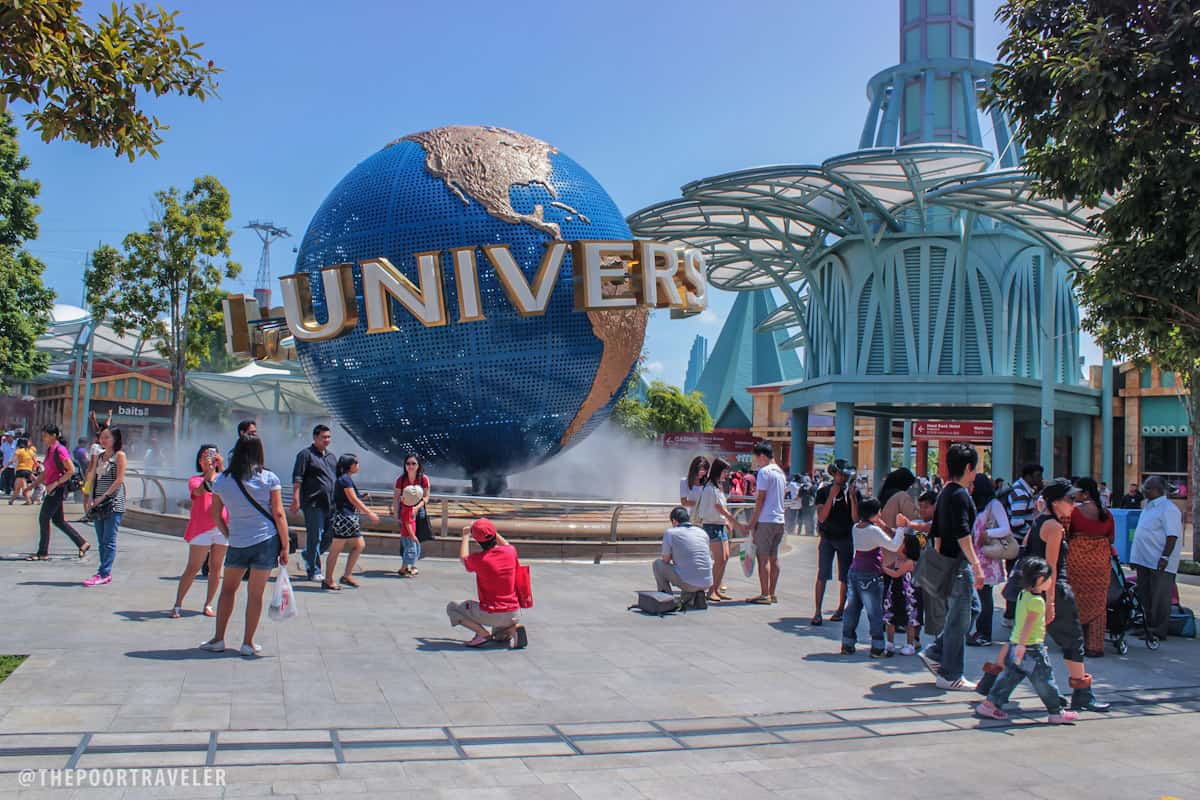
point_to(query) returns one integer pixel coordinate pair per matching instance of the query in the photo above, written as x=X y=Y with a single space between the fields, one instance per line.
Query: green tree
x=1106 y=97
x=25 y=302
x=83 y=82
x=669 y=410
x=633 y=416
x=166 y=284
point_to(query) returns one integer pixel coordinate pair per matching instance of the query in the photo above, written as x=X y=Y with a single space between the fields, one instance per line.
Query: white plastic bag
x=747 y=556
x=283 y=604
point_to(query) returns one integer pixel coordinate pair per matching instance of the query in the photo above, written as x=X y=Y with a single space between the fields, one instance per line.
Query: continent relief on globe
x=482 y=163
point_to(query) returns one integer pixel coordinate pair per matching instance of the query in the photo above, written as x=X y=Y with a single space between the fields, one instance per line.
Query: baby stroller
x=1123 y=610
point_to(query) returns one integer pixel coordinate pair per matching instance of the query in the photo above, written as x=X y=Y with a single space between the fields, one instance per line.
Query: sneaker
x=880 y=652
x=98 y=580
x=908 y=650
x=317 y=576
x=890 y=647
x=251 y=650
x=1062 y=718
x=847 y=649
x=988 y=710
x=213 y=646
x=960 y=685
x=975 y=640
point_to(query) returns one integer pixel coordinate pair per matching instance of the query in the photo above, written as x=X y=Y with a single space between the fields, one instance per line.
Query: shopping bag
x=747 y=556
x=283 y=604
x=524 y=585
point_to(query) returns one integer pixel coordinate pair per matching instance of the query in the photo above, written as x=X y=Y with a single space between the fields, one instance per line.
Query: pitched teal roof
x=743 y=358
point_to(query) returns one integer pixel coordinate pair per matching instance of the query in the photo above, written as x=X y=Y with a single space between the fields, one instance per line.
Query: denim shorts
x=716 y=533
x=826 y=550
x=264 y=555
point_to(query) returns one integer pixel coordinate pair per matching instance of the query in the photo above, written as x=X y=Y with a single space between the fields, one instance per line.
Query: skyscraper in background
x=696 y=362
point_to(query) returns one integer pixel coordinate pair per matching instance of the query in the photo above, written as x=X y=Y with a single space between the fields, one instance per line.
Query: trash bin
x=1124 y=524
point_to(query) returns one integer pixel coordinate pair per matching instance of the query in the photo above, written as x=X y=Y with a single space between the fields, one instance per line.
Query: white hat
x=412 y=495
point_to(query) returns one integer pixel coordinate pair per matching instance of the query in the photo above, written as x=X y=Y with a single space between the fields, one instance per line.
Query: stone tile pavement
x=370 y=693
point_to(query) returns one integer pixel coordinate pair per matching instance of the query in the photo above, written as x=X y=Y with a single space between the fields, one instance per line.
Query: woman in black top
x=347 y=505
x=1047 y=540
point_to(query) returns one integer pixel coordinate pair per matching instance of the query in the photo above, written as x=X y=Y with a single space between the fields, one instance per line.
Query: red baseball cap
x=482 y=529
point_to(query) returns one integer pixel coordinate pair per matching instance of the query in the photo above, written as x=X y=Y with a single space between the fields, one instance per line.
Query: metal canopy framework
x=255 y=387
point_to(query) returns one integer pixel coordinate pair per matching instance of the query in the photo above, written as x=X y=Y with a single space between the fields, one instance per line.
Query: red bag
x=524 y=583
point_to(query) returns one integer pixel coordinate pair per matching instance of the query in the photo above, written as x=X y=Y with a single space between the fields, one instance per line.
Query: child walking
x=1026 y=655
x=864 y=584
x=901 y=596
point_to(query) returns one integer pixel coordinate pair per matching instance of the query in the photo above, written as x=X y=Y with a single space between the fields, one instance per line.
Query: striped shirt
x=1021 y=508
x=106 y=473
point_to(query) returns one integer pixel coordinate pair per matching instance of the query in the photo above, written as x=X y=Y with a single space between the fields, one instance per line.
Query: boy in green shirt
x=1026 y=656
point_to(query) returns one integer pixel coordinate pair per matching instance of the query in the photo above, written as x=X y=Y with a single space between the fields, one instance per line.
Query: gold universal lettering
x=382 y=283
x=530 y=301
x=695 y=289
x=656 y=285
x=588 y=259
x=466 y=278
x=340 y=316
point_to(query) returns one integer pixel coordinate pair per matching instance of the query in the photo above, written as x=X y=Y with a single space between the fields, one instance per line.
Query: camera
x=842 y=467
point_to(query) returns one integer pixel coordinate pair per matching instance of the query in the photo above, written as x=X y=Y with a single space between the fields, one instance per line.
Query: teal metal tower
x=745 y=356
x=923 y=278
x=697 y=358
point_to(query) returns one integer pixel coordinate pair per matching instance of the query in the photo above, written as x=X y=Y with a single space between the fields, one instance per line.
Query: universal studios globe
x=483 y=398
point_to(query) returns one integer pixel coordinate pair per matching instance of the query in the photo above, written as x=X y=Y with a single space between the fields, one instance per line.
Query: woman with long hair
x=1047 y=540
x=691 y=486
x=204 y=538
x=1089 y=563
x=347 y=505
x=258 y=537
x=896 y=500
x=410 y=545
x=106 y=503
x=713 y=514
x=57 y=469
x=991 y=525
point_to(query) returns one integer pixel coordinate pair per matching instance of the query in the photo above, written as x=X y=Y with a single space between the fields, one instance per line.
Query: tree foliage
x=84 y=81
x=25 y=302
x=666 y=409
x=165 y=283
x=1106 y=95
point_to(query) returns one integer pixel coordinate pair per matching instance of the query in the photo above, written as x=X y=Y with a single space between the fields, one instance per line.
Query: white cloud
x=708 y=317
x=654 y=366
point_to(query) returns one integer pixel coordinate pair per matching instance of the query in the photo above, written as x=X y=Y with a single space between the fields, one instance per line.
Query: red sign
x=953 y=429
x=715 y=442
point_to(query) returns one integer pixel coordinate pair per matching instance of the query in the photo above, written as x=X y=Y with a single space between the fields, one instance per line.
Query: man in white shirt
x=686 y=561
x=767 y=521
x=8 y=452
x=1155 y=554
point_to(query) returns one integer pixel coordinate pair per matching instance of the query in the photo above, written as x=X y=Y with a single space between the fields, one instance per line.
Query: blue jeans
x=1036 y=667
x=316 y=520
x=106 y=535
x=864 y=591
x=962 y=609
x=410 y=551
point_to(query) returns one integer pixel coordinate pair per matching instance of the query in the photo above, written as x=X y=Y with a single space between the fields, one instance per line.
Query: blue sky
x=646 y=95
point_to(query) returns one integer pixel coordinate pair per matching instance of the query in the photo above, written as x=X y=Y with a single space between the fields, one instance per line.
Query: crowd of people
x=927 y=556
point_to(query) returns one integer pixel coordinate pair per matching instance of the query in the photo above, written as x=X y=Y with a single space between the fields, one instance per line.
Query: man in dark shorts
x=837 y=508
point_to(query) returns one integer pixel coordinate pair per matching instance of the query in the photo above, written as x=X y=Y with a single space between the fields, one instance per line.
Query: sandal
x=348 y=581
x=333 y=587
x=761 y=600
x=36 y=557
x=478 y=641
x=402 y=572
x=713 y=597
x=208 y=611
x=721 y=593
x=837 y=616
x=83 y=551
x=176 y=613
x=816 y=621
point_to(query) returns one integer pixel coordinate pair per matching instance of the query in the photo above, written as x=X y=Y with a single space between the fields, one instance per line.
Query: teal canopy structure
x=922 y=275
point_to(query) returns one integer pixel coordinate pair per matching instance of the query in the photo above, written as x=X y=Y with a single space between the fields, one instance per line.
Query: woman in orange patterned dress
x=1089 y=564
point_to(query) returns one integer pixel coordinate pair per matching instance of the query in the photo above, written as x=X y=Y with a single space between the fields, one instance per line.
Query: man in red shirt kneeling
x=495 y=568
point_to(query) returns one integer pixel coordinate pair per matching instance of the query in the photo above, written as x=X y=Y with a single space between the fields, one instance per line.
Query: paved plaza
x=369 y=692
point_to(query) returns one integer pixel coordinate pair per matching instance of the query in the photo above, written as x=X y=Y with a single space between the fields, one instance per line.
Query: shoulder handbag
x=935 y=572
x=424 y=528
x=293 y=544
x=74 y=482
x=102 y=508
x=524 y=585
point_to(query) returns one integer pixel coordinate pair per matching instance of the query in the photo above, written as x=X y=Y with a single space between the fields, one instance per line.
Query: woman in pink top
x=204 y=539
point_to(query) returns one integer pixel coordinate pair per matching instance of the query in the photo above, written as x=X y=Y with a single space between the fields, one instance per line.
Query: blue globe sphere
x=479 y=399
